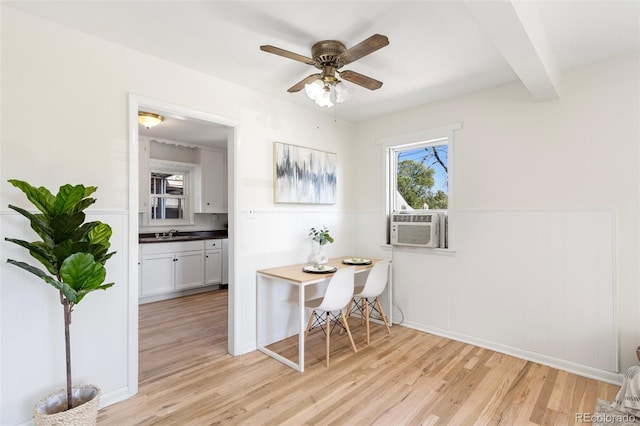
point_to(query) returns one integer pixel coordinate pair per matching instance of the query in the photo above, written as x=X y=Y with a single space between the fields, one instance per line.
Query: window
x=419 y=167
x=170 y=193
x=421 y=176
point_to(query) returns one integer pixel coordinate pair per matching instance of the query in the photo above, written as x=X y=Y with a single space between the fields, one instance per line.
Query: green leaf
x=66 y=225
x=82 y=272
x=41 y=197
x=81 y=233
x=68 y=292
x=38 y=224
x=83 y=204
x=67 y=198
x=98 y=252
x=88 y=190
x=66 y=248
x=100 y=234
x=40 y=252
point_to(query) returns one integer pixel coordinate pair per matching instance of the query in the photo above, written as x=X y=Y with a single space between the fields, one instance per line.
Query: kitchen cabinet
x=213 y=262
x=189 y=270
x=168 y=267
x=158 y=274
x=214 y=179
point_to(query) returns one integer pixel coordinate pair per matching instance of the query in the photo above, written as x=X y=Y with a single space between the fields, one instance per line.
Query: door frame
x=233 y=333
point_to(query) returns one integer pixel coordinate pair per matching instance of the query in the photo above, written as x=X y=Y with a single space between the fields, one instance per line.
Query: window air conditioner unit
x=417 y=229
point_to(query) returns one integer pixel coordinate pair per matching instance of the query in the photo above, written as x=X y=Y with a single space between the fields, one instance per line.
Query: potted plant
x=73 y=254
x=320 y=237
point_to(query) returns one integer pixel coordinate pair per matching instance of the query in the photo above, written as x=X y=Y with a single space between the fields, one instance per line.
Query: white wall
x=65 y=119
x=514 y=155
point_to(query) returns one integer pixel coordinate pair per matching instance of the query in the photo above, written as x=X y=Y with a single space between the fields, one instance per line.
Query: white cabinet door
x=213 y=267
x=157 y=274
x=213 y=261
x=213 y=181
x=189 y=269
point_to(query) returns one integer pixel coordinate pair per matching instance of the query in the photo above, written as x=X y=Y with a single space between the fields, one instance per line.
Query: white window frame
x=391 y=145
x=175 y=168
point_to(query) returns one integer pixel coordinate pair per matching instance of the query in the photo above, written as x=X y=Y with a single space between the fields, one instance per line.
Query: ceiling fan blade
x=361 y=80
x=300 y=85
x=287 y=54
x=370 y=45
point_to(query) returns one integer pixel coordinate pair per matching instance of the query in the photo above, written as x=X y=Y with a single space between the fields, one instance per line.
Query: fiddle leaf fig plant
x=72 y=252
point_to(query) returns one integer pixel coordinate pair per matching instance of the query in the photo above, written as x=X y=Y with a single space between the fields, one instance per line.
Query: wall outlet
x=214 y=218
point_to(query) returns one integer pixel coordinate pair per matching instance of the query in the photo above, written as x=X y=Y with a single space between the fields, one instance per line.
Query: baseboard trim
x=112 y=397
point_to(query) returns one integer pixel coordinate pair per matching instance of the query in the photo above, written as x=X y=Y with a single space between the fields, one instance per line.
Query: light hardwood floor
x=407 y=378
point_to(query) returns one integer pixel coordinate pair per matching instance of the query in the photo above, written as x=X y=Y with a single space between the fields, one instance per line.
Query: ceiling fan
x=329 y=56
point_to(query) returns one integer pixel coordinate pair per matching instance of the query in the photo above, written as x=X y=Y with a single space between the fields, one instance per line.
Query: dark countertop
x=150 y=237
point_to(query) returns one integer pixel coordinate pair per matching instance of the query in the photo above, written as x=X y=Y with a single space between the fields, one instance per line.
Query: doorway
x=177 y=118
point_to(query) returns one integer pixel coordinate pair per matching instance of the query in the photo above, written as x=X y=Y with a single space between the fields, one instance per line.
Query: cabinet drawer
x=173 y=247
x=213 y=244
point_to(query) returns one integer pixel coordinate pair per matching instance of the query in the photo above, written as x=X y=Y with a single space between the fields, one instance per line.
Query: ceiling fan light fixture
x=340 y=92
x=324 y=100
x=314 y=89
x=149 y=119
x=328 y=93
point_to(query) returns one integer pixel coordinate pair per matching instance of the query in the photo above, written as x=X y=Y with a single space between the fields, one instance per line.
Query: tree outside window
x=422 y=176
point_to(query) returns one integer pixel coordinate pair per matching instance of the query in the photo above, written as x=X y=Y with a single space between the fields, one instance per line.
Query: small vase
x=319 y=256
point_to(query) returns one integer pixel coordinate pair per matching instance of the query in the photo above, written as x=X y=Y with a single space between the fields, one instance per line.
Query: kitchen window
x=170 y=194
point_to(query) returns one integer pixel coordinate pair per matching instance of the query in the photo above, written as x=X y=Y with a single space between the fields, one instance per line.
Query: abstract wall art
x=304 y=175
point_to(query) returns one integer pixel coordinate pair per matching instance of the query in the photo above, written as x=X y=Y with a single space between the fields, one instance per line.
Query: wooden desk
x=295 y=276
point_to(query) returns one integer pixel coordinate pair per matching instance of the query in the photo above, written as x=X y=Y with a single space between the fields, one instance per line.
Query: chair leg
x=384 y=317
x=306 y=333
x=328 y=333
x=367 y=313
x=346 y=325
x=349 y=307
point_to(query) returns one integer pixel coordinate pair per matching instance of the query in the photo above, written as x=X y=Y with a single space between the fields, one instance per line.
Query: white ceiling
x=189 y=130
x=438 y=49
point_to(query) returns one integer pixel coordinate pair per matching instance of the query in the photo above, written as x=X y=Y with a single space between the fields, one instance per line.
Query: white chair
x=336 y=298
x=366 y=299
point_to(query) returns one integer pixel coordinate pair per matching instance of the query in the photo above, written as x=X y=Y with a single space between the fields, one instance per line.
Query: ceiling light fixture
x=327 y=90
x=149 y=119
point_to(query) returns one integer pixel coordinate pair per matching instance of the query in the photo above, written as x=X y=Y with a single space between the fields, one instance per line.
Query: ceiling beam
x=517 y=31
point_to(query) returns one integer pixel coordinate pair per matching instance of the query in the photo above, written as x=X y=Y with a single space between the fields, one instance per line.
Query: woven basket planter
x=52 y=409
